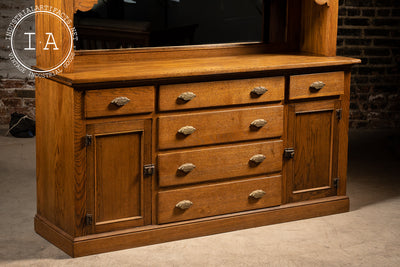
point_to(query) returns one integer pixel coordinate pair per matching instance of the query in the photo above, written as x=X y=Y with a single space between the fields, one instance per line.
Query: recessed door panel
x=118 y=177
x=313 y=135
x=118 y=194
x=313 y=150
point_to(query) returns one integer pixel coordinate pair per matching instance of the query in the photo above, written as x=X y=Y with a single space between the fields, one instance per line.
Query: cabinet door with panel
x=312 y=151
x=118 y=192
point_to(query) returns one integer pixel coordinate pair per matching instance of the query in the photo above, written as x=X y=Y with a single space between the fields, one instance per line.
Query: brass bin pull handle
x=257 y=158
x=316 y=86
x=187 y=130
x=257 y=194
x=186 y=96
x=184 y=204
x=120 y=101
x=258 y=91
x=187 y=167
x=258 y=123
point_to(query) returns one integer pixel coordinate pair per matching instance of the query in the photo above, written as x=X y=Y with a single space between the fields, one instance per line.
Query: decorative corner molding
x=322 y=2
x=84 y=5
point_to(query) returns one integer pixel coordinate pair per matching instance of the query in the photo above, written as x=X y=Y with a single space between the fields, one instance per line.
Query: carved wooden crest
x=84 y=5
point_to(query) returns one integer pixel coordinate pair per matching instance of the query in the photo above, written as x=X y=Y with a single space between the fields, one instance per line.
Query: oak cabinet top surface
x=86 y=73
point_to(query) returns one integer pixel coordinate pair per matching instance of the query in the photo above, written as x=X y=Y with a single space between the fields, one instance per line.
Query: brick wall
x=17 y=93
x=370 y=30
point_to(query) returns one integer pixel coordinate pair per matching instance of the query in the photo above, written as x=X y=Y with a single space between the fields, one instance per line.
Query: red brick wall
x=16 y=95
x=370 y=30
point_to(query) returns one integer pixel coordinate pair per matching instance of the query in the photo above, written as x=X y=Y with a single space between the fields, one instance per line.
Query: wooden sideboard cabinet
x=137 y=147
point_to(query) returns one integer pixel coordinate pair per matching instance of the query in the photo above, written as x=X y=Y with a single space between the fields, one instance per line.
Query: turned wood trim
x=84 y=5
x=322 y=2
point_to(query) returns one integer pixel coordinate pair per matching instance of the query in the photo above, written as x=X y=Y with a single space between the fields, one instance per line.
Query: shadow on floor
x=374 y=167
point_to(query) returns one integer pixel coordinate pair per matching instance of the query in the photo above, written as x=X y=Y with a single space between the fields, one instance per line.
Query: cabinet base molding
x=148 y=235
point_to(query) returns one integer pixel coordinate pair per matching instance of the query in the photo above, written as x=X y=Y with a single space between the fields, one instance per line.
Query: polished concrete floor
x=368 y=235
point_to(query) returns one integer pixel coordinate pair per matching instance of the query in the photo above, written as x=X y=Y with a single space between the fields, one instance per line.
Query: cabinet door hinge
x=288 y=153
x=336 y=183
x=88 y=140
x=89 y=219
x=148 y=170
x=339 y=114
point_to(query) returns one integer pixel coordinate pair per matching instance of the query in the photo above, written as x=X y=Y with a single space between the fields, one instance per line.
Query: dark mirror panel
x=113 y=24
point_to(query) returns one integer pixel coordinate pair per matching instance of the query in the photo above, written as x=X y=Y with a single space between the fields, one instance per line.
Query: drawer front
x=221 y=93
x=121 y=101
x=218 y=163
x=316 y=85
x=210 y=200
x=220 y=127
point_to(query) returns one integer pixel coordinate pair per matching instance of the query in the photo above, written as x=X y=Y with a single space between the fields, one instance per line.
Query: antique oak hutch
x=138 y=146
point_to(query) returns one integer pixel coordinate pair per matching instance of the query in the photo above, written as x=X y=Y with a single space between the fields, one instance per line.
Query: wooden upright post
x=319 y=27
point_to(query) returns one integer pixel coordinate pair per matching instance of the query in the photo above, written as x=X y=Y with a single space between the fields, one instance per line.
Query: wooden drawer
x=223 y=198
x=219 y=127
x=218 y=163
x=309 y=85
x=98 y=103
x=220 y=93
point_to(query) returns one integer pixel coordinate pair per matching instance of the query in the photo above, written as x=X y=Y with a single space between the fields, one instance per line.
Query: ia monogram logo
x=25 y=43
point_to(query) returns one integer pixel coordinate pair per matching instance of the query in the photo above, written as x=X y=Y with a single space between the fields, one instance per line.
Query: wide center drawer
x=223 y=198
x=119 y=101
x=217 y=163
x=221 y=93
x=220 y=127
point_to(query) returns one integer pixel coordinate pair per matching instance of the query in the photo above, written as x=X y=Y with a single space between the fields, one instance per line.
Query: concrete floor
x=368 y=235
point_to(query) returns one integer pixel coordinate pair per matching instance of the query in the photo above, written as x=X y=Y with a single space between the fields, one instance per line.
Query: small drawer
x=211 y=164
x=221 y=93
x=121 y=101
x=223 y=198
x=316 y=85
x=220 y=127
